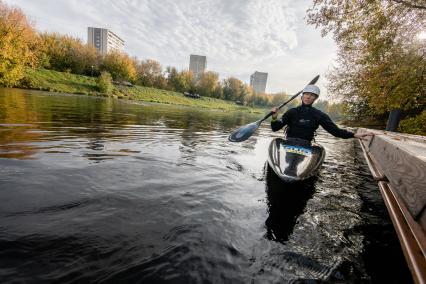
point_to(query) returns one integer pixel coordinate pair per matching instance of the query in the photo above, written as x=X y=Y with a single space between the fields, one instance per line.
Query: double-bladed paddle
x=244 y=132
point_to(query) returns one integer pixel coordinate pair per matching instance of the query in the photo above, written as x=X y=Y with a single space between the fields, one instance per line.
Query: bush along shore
x=62 y=82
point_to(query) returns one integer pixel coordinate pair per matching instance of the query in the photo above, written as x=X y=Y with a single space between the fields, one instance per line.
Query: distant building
x=104 y=40
x=258 y=81
x=197 y=64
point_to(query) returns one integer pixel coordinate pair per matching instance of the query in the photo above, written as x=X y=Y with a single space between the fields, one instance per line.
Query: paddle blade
x=314 y=80
x=244 y=132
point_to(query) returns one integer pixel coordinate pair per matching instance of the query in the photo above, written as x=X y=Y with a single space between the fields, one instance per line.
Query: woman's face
x=308 y=98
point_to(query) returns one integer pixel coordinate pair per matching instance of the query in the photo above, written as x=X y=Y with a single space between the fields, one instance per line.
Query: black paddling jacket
x=304 y=120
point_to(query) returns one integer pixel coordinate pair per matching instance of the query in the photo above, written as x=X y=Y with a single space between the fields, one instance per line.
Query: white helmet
x=311 y=89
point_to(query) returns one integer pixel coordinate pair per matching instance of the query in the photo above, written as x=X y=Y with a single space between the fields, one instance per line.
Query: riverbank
x=62 y=82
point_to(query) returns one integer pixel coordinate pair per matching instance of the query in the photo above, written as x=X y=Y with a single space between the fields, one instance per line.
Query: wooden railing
x=398 y=163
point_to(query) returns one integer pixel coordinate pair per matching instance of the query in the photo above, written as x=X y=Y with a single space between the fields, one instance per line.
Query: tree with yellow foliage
x=150 y=74
x=69 y=54
x=207 y=83
x=381 y=62
x=18 y=45
x=120 y=66
x=182 y=81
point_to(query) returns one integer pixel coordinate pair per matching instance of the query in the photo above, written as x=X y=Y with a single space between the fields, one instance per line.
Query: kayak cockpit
x=295 y=159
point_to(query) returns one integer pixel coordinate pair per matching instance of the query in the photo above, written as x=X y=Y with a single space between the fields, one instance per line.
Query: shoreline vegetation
x=68 y=83
x=30 y=58
x=380 y=67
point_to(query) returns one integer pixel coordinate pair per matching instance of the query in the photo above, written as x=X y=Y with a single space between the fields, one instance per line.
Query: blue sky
x=238 y=37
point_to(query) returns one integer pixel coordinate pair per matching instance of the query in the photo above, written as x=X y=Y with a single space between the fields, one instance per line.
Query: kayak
x=295 y=159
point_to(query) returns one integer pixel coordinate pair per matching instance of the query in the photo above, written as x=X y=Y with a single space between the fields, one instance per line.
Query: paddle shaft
x=243 y=133
x=312 y=82
x=283 y=104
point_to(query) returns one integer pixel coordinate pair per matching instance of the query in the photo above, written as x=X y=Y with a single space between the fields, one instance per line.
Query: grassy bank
x=53 y=81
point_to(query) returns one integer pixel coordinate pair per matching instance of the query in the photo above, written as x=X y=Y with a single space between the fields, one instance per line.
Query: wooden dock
x=398 y=163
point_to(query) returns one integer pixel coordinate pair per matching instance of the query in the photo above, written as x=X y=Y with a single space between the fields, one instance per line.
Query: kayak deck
x=294 y=159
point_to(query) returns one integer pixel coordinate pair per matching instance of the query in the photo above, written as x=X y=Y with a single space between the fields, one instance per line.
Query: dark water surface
x=105 y=191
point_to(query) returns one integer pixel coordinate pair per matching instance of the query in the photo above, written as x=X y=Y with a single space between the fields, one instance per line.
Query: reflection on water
x=285 y=203
x=100 y=190
x=28 y=123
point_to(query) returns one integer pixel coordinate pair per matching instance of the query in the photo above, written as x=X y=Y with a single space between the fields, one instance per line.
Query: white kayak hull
x=295 y=160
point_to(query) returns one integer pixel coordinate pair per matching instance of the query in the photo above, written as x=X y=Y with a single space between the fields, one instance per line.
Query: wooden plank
x=402 y=159
x=410 y=234
x=422 y=221
x=375 y=171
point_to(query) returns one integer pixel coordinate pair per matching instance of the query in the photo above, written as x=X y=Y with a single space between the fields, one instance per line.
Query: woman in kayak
x=304 y=120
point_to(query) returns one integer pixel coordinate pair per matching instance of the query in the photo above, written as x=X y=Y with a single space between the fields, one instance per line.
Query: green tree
x=263 y=100
x=335 y=111
x=150 y=74
x=218 y=91
x=321 y=105
x=260 y=99
x=381 y=62
x=105 y=83
x=243 y=93
x=182 y=81
x=278 y=98
x=231 y=88
x=68 y=54
x=207 y=84
x=415 y=125
x=18 y=45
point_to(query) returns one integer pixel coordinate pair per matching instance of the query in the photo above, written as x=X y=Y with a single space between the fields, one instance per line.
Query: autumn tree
x=218 y=91
x=415 y=125
x=231 y=88
x=119 y=65
x=68 y=54
x=321 y=105
x=207 y=84
x=150 y=74
x=259 y=99
x=335 y=110
x=18 y=45
x=244 y=92
x=182 y=81
x=279 y=98
x=381 y=63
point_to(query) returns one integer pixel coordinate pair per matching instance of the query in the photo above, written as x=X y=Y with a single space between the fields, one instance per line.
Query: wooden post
x=393 y=120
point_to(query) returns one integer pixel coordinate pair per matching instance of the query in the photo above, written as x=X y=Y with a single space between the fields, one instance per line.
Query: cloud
x=237 y=30
x=224 y=30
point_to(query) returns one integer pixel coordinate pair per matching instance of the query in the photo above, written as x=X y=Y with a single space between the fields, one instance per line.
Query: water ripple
x=97 y=190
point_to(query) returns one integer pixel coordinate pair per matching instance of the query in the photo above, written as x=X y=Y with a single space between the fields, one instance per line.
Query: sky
x=238 y=37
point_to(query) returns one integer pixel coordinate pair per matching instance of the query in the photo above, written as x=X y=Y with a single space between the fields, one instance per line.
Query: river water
x=97 y=190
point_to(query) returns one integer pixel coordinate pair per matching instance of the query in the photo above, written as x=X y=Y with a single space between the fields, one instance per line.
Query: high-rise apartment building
x=197 y=64
x=104 y=40
x=258 y=81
